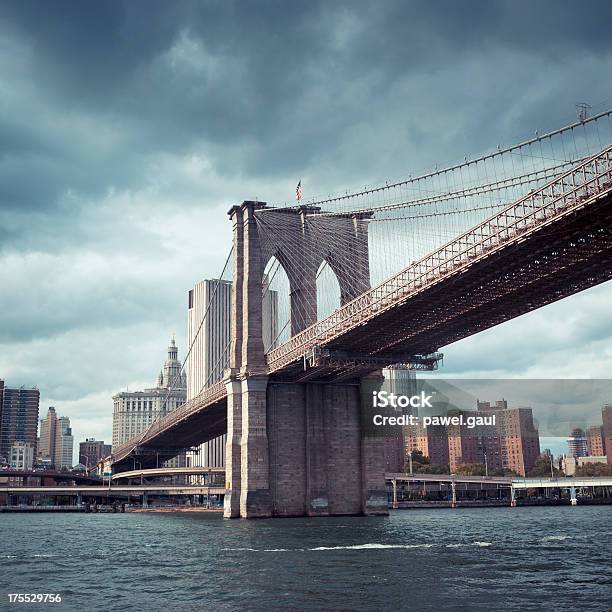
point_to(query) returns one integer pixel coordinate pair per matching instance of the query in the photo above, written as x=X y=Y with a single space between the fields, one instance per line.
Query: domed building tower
x=170 y=376
x=135 y=411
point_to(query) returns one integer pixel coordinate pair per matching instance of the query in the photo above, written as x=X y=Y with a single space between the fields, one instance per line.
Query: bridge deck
x=552 y=243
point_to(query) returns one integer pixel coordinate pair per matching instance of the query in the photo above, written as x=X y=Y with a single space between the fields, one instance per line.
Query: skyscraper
x=46 y=442
x=18 y=417
x=56 y=441
x=208 y=338
x=64 y=444
x=134 y=411
x=577 y=443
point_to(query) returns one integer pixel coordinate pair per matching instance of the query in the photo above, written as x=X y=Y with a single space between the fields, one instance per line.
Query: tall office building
x=577 y=443
x=18 y=417
x=64 y=444
x=46 y=441
x=134 y=411
x=56 y=441
x=594 y=440
x=208 y=334
x=606 y=429
x=208 y=338
x=91 y=451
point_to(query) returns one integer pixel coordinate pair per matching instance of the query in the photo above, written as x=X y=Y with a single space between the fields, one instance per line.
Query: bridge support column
x=320 y=463
x=145 y=500
x=255 y=498
x=573 y=498
x=231 y=504
x=374 y=489
x=317 y=491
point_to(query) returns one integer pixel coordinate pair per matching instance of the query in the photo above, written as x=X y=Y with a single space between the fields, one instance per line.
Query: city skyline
x=130 y=240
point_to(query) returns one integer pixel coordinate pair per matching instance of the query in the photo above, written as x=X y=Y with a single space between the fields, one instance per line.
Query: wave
x=555 y=538
x=464 y=544
x=370 y=546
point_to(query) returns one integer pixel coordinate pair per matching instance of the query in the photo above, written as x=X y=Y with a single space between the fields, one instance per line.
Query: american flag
x=298 y=191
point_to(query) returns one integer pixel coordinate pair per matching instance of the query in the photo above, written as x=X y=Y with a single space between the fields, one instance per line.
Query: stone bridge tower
x=296 y=448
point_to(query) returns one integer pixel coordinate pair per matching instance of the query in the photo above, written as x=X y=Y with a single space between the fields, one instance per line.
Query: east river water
x=541 y=558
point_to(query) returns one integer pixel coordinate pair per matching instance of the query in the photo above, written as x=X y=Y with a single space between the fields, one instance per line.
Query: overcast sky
x=127 y=129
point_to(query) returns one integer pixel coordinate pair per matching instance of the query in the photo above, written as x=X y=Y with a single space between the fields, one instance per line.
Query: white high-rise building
x=21 y=456
x=134 y=411
x=208 y=336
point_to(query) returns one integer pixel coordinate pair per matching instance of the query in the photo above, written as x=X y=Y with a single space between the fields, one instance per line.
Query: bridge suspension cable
x=407 y=219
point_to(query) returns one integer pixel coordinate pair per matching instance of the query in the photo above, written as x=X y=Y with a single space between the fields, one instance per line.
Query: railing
x=208 y=396
x=568 y=191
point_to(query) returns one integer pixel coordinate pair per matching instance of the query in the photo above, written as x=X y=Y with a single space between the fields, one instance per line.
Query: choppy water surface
x=470 y=559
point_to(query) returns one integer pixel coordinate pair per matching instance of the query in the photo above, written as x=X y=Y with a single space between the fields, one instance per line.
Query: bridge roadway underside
x=198 y=427
x=568 y=256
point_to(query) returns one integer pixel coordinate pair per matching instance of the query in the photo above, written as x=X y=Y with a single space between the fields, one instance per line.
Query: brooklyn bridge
x=382 y=276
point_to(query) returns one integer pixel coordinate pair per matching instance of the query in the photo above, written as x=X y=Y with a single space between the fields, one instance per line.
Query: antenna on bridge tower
x=582 y=110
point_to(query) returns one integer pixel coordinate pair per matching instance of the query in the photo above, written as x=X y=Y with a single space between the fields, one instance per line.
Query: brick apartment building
x=512 y=444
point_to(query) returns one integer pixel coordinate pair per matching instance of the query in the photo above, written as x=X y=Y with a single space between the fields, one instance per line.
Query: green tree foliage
x=503 y=472
x=471 y=469
x=594 y=469
x=541 y=468
x=423 y=465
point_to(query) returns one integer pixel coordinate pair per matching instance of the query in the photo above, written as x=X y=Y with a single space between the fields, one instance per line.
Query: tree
x=594 y=470
x=471 y=469
x=422 y=465
x=541 y=468
x=503 y=472
x=419 y=468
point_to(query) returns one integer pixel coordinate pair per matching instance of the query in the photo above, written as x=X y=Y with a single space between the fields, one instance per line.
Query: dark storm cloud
x=279 y=73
